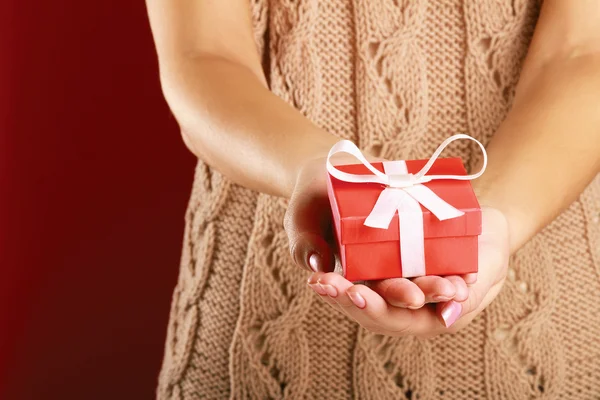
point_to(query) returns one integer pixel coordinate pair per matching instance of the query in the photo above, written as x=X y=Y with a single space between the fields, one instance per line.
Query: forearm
x=548 y=149
x=233 y=122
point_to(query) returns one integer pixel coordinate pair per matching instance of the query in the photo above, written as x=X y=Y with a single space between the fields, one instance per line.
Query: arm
x=548 y=148
x=540 y=159
x=213 y=81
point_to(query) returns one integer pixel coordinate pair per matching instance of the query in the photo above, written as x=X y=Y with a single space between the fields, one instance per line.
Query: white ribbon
x=403 y=193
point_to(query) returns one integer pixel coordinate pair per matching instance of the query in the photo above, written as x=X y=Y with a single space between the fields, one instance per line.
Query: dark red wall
x=94 y=180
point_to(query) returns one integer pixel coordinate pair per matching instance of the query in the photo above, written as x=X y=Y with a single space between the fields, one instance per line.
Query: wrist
x=313 y=161
x=492 y=196
x=310 y=153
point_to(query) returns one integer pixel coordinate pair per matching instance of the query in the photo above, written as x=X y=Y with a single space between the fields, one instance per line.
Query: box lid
x=353 y=202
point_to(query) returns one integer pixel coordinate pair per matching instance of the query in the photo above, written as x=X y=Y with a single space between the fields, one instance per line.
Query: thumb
x=308 y=220
x=308 y=226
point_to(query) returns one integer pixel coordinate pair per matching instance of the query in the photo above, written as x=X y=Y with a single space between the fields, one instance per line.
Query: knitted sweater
x=396 y=77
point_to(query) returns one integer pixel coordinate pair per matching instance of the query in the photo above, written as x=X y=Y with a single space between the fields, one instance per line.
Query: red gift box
x=367 y=253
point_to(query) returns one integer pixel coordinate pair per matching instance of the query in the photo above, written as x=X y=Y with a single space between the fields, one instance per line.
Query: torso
x=397 y=79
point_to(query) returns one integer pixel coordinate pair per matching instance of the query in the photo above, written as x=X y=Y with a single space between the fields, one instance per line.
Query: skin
x=541 y=158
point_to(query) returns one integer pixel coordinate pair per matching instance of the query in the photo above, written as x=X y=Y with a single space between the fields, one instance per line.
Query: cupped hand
x=371 y=306
x=309 y=226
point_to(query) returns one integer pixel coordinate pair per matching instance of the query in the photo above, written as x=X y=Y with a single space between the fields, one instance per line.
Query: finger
x=469 y=278
x=462 y=291
x=449 y=312
x=470 y=311
x=307 y=223
x=481 y=293
x=334 y=284
x=323 y=292
x=399 y=292
x=493 y=257
x=436 y=288
x=371 y=311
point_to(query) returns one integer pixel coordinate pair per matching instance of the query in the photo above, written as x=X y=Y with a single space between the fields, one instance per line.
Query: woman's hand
x=308 y=223
x=378 y=307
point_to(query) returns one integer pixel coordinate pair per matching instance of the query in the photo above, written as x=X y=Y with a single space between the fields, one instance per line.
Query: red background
x=94 y=180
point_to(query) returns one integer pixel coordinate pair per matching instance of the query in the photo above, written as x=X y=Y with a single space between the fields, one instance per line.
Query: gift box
x=404 y=218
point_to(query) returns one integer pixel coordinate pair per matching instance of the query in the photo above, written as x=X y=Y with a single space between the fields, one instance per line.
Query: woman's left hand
x=376 y=306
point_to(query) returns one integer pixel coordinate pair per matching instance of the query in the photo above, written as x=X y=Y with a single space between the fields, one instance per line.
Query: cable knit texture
x=397 y=77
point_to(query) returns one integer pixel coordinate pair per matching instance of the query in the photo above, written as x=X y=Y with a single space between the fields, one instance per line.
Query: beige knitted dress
x=397 y=77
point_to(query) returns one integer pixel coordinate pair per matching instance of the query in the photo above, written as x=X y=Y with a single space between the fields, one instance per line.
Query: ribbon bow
x=403 y=193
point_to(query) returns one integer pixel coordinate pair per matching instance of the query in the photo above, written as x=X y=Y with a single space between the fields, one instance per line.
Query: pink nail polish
x=330 y=290
x=450 y=313
x=357 y=299
x=313 y=262
x=317 y=288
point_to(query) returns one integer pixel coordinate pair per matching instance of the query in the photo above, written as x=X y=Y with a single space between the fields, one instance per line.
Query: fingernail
x=357 y=299
x=313 y=262
x=450 y=313
x=330 y=290
x=317 y=288
x=411 y=306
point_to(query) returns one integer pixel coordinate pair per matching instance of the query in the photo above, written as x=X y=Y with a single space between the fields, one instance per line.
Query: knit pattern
x=397 y=77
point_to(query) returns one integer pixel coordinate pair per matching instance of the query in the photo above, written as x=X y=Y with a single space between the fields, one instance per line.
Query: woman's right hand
x=309 y=226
